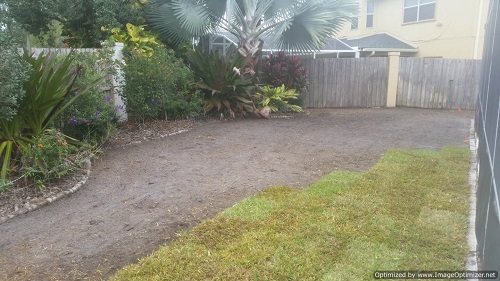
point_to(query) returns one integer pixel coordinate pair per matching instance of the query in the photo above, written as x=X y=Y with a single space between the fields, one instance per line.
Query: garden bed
x=25 y=197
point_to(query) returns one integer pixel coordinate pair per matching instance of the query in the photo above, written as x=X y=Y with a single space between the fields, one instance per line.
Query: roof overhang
x=389 y=50
x=317 y=52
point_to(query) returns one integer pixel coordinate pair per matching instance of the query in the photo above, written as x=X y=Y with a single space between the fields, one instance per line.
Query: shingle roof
x=379 y=41
x=336 y=44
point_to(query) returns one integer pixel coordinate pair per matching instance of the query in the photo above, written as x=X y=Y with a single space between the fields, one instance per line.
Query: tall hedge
x=13 y=74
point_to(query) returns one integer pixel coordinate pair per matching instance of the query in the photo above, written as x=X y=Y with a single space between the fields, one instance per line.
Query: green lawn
x=409 y=212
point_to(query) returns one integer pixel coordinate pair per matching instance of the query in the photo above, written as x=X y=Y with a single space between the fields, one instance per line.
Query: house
x=332 y=48
x=421 y=28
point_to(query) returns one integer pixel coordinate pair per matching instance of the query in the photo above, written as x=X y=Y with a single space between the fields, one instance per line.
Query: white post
x=392 y=84
x=478 y=29
x=118 y=82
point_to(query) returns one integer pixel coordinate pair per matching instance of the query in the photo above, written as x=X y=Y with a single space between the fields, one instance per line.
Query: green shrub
x=49 y=92
x=92 y=116
x=5 y=185
x=278 y=98
x=49 y=157
x=159 y=87
x=13 y=74
x=221 y=79
x=282 y=69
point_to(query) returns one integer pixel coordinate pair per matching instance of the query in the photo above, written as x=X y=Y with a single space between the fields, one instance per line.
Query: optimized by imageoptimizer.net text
x=435 y=274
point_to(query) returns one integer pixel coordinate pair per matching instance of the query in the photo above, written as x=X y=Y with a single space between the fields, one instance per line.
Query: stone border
x=160 y=137
x=471 y=263
x=44 y=201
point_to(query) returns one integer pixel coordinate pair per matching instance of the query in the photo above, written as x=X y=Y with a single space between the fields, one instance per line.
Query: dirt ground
x=141 y=196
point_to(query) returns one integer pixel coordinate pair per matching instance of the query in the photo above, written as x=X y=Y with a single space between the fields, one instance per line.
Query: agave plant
x=49 y=91
x=277 y=98
x=223 y=81
x=296 y=25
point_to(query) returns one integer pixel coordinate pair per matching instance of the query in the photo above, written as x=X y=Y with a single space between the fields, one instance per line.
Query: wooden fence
x=347 y=82
x=363 y=82
x=438 y=83
x=62 y=51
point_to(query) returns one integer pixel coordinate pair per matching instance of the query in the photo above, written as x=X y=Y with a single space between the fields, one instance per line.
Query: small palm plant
x=277 y=98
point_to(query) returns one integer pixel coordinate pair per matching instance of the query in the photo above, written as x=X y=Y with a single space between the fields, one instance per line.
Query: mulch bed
x=24 y=196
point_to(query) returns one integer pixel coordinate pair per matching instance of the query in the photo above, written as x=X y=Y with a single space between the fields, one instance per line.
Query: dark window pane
x=370 y=7
x=426 y=12
x=411 y=3
x=427 y=1
x=369 y=21
x=354 y=24
x=219 y=40
x=410 y=14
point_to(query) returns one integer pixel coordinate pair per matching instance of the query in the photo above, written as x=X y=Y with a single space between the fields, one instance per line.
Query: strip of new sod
x=409 y=212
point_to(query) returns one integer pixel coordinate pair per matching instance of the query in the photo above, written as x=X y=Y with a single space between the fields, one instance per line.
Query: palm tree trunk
x=254 y=50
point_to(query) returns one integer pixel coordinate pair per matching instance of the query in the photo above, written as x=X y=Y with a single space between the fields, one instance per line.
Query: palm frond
x=279 y=8
x=235 y=14
x=296 y=25
x=181 y=20
x=313 y=24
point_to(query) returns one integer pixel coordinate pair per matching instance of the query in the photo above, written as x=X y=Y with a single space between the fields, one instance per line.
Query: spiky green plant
x=277 y=98
x=223 y=81
x=49 y=91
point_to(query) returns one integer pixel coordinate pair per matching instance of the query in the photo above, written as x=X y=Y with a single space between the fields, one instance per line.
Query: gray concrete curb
x=471 y=264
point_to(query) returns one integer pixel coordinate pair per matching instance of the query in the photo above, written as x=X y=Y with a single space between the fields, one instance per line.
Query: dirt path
x=140 y=196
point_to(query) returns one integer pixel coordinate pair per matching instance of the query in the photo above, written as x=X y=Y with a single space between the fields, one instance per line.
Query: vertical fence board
x=347 y=82
x=60 y=51
x=438 y=83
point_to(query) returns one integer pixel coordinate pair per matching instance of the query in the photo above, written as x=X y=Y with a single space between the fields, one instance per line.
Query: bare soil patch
x=24 y=196
x=150 y=186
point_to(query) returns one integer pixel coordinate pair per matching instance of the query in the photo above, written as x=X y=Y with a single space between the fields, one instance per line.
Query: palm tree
x=294 y=25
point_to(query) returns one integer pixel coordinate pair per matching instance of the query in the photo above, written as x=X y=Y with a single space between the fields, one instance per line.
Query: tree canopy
x=82 y=20
x=298 y=25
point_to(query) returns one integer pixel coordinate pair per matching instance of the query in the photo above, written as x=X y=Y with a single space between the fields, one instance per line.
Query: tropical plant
x=136 y=38
x=278 y=98
x=292 y=24
x=159 y=87
x=222 y=81
x=49 y=91
x=282 y=69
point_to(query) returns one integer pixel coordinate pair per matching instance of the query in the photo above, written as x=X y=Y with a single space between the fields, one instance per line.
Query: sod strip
x=409 y=212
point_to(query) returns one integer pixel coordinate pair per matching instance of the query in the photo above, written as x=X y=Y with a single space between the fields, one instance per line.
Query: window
x=354 y=23
x=418 y=10
x=220 y=43
x=369 y=13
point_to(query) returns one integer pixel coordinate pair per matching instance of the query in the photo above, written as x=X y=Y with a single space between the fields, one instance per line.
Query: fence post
x=392 y=85
x=118 y=82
